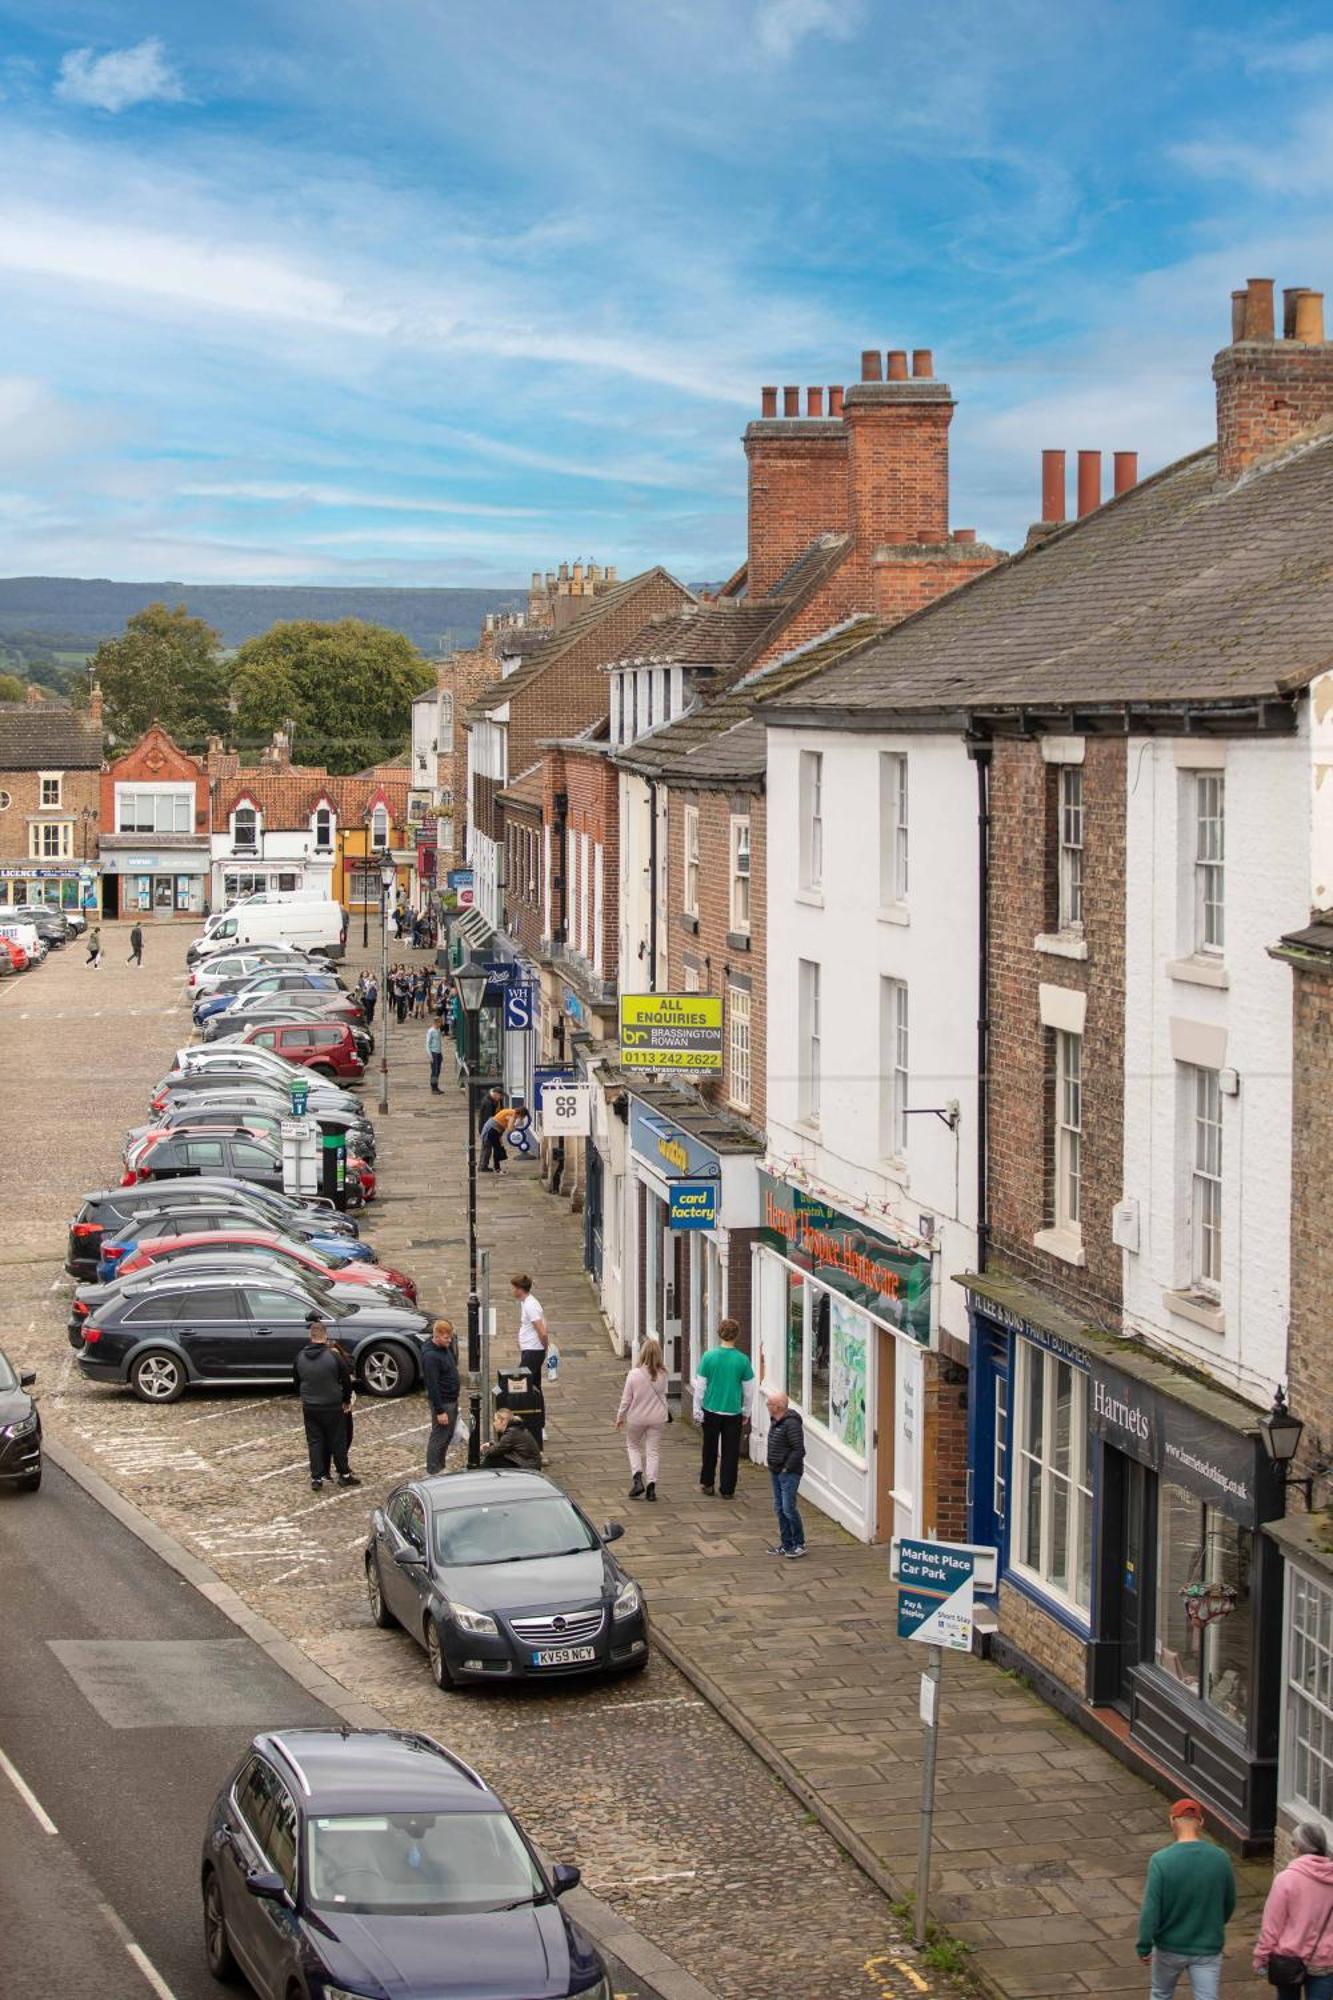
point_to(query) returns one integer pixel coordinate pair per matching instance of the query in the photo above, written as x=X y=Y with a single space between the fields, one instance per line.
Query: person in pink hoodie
x=1298 y=1918
x=643 y=1417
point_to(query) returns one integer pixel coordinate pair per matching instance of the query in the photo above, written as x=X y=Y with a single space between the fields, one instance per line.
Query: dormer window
x=379 y=827
x=245 y=830
x=324 y=830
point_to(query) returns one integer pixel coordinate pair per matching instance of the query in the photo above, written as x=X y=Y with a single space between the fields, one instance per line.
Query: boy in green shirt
x=1188 y=1896
x=726 y=1375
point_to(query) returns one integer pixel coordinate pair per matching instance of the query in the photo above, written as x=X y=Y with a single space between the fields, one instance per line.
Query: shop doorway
x=1128 y=1579
x=989 y=1443
x=592 y=1212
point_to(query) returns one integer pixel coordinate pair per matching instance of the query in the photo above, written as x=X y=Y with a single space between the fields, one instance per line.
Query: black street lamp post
x=388 y=878
x=470 y=987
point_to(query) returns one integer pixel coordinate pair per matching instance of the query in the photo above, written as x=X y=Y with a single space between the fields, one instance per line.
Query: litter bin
x=517 y=1394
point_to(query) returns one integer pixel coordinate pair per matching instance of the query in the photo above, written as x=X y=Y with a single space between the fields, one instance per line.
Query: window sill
x=813 y=898
x=1066 y=1244
x=1061 y=944
x=894 y=913
x=810 y=1127
x=689 y=922
x=738 y=940
x=893 y=1166
x=1201 y=970
x=1198 y=1308
x=1046 y=1598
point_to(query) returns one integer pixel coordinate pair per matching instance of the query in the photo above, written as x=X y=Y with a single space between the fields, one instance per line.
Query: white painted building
x=871 y=1175
x=272 y=834
x=487 y=765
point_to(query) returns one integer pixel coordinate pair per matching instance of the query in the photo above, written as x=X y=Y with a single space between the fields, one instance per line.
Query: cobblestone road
x=672 y=1818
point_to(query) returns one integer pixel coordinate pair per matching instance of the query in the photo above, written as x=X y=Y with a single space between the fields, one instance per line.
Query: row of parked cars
x=28 y=931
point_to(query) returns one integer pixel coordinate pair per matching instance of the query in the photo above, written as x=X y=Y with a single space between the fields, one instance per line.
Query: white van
x=306 y=925
x=25 y=935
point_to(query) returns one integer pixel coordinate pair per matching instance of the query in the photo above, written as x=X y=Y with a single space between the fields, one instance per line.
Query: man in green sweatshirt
x=1188 y=1896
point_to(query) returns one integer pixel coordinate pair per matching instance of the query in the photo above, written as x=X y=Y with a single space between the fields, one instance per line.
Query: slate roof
x=703 y=635
x=1178 y=592
x=521 y=641
x=525 y=790
x=600 y=609
x=48 y=738
x=721 y=738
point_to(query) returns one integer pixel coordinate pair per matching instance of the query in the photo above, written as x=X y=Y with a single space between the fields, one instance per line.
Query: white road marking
x=671 y=1875
x=212 y=1416
x=137 y=1953
x=296 y=1465
x=253 y=1444
x=28 y=1796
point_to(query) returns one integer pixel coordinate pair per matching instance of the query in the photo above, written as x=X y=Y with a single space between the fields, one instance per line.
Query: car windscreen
x=510 y=1531
x=418 y=1864
x=8 y=1379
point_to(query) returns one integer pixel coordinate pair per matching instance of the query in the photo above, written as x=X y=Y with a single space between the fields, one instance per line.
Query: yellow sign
x=671 y=1031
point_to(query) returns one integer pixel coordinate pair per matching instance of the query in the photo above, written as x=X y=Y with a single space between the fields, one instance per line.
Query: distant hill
x=70 y=614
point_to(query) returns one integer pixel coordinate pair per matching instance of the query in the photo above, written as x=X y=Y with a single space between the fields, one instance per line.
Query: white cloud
x=782 y=25
x=119 y=79
x=295 y=493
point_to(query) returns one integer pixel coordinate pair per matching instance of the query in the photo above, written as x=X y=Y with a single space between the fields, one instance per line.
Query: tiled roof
x=286 y=795
x=602 y=610
x=721 y=738
x=1176 y=592
x=48 y=738
x=519 y=642
x=525 y=790
x=703 y=635
x=810 y=565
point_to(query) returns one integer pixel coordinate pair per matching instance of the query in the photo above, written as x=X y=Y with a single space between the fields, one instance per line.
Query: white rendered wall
x=1244 y=1025
x=636 y=901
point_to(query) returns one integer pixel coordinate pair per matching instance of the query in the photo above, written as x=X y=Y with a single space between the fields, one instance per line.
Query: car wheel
x=385 y=1369
x=325 y=1069
x=158 y=1378
x=217 y=1946
x=379 y=1610
x=439 y=1666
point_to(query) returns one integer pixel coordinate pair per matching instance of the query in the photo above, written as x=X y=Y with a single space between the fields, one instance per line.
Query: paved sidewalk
x=1042 y=1838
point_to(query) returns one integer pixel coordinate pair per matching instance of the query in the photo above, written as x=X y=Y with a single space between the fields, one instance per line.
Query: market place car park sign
x=671 y=1031
x=885 y=1277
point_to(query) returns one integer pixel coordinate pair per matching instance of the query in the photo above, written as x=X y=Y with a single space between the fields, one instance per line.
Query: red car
x=161 y=1249
x=15 y=953
x=325 y=1046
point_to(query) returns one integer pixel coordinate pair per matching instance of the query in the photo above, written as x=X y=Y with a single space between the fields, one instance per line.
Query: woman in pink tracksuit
x=1298 y=1917
x=643 y=1416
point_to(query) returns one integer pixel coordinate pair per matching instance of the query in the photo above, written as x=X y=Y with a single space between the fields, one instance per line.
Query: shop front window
x=796 y=1294
x=819 y=1356
x=1204 y=1605
x=1307 y=1782
x=1053 y=1536
x=828 y=1341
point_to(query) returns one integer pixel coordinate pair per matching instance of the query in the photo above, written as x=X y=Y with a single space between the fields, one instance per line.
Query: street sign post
x=935 y=1584
x=671 y=1031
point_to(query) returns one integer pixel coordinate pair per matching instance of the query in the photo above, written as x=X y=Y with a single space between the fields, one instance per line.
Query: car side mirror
x=612 y=1530
x=27 y=1378
x=565 y=1878
x=270 y=1888
x=410 y=1559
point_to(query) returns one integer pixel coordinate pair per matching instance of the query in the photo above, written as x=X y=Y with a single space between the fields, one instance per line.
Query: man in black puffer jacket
x=325 y=1384
x=786 y=1463
x=439 y=1376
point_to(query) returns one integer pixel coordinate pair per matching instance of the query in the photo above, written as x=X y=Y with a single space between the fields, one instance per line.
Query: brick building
x=50 y=800
x=155 y=819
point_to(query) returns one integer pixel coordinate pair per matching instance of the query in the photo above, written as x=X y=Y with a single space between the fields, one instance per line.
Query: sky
x=432 y=292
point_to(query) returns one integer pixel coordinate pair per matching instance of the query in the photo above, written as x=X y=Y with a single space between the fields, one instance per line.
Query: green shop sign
x=873 y=1271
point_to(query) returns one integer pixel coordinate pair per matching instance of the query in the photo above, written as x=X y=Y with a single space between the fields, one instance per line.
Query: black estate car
x=343 y=1863
x=106 y=1212
x=501 y=1577
x=20 y=1429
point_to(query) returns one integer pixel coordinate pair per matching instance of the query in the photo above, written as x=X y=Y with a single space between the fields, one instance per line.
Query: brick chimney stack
x=798 y=482
x=1270 y=390
x=95 y=703
x=898 y=452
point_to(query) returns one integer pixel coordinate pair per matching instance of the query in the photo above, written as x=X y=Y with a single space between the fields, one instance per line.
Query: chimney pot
x=872 y=365
x=791 y=402
x=1259 y=309
x=578 y=573
x=768 y=402
x=963 y=535
x=835 y=400
x=1053 y=486
x=897 y=364
x=814 y=402
x=564 y=572
x=1309 y=326
x=536 y=579
x=1289 y=297
x=1125 y=470
x=896 y=537
x=1089 y=481
x=923 y=361
x=1238 y=315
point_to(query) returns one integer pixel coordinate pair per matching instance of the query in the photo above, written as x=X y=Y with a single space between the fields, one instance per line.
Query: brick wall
x=156 y=759
x=898 y=462
x=797 y=492
x=1267 y=393
x=1310 y=1341
x=944 y=1425
x=590 y=784
x=711 y=950
x=1022 y=888
x=1043 y=1639
x=465 y=676
x=79 y=789
x=521 y=824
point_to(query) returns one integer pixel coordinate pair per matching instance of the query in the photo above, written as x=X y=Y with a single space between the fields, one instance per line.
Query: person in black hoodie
x=439 y=1375
x=513 y=1445
x=324 y=1381
x=786 y=1463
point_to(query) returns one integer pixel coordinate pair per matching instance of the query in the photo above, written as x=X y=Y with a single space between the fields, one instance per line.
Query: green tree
x=165 y=667
x=11 y=688
x=346 y=690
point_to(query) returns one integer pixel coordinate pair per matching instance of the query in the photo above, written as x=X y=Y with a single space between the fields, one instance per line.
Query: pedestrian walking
x=534 y=1336
x=401 y=996
x=136 y=946
x=1189 y=1893
x=324 y=1381
x=435 y=1050
x=512 y=1445
x=723 y=1388
x=94 y=943
x=786 y=1463
x=643 y=1416
x=1294 y=1951
x=439 y=1376
x=370 y=993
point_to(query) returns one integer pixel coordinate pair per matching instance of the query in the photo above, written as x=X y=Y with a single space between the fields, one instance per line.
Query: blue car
x=116 y=1250
x=347 y=1863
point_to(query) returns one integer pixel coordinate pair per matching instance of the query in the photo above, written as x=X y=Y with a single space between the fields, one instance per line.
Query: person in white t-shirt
x=533 y=1334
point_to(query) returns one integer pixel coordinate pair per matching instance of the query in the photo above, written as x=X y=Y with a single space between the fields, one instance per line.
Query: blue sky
x=439 y=292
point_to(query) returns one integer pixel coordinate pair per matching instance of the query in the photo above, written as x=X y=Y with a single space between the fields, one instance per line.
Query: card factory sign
x=885 y=1277
x=671 y=1031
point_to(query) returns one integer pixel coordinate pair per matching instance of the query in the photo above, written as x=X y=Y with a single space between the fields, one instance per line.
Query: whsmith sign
x=885 y=1277
x=670 y=1031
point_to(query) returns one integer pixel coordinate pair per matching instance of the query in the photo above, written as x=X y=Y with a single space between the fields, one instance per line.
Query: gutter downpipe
x=979 y=749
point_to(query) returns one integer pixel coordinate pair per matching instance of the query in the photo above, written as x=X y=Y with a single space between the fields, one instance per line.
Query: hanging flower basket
x=1206 y=1601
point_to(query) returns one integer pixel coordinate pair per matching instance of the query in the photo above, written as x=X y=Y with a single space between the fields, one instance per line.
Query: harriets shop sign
x=885 y=1277
x=1181 y=1443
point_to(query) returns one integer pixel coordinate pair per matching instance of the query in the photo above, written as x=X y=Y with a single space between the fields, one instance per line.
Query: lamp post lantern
x=470 y=987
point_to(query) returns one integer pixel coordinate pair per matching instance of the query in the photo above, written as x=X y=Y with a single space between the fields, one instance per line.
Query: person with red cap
x=1188 y=1896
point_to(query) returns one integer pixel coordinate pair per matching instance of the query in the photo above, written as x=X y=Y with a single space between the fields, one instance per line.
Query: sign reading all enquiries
x=873 y=1271
x=671 y=1031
